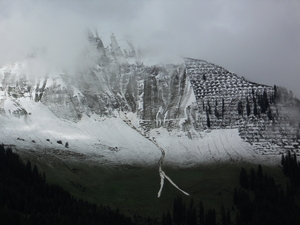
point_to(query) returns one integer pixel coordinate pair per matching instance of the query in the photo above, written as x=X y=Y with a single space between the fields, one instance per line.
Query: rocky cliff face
x=266 y=116
x=223 y=97
x=189 y=97
x=159 y=95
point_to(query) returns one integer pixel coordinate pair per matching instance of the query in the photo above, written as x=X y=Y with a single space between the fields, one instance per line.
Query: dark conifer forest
x=26 y=198
x=258 y=200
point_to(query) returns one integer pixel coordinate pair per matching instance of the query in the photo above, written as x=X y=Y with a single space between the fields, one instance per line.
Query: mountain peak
x=171 y=103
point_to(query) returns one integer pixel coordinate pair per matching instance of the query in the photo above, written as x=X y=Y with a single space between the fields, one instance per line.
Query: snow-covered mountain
x=115 y=110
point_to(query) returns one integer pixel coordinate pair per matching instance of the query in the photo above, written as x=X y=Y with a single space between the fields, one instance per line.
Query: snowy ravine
x=161 y=160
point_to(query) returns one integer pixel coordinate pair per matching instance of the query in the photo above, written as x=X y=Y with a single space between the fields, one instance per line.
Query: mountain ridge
x=185 y=102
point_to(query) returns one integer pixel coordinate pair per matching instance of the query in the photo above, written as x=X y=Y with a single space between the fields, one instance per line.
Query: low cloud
x=255 y=39
x=43 y=31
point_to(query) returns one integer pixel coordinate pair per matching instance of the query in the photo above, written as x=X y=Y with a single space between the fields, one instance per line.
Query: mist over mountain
x=258 y=40
x=146 y=76
x=115 y=118
x=121 y=102
x=102 y=128
x=115 y=109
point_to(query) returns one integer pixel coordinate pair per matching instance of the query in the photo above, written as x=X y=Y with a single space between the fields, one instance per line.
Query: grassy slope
x=134 y=190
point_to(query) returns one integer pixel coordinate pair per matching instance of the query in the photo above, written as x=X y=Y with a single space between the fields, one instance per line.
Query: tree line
x=257 y=200
x=193 y=214
x=255 y=104
x=26 y=198
x=291 y=168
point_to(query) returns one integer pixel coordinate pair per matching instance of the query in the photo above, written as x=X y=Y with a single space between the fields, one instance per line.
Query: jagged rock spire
x=115 y=48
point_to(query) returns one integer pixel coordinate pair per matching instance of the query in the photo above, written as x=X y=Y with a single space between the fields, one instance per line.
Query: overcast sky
x=259 y=40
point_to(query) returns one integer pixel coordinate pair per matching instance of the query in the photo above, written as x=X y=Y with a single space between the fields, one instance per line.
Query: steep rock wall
x=266 y=116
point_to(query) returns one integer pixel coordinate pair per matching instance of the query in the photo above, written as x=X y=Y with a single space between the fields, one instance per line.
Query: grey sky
x=259 y=40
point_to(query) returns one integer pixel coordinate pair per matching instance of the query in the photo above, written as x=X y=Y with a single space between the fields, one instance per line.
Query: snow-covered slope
x=119 y=111
x=107 y=140
x=111 y=141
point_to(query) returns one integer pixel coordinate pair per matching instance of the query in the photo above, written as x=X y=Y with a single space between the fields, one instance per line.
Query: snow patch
x=94 y=136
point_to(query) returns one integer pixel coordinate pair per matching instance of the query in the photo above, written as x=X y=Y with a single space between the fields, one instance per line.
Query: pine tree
x=235 y=197
x=240 y=108
x=216 y=109
x=223 y=216
x=35 y=172
x=270 y=115
x=252 y=179
x=298 y=133
x=207 y=119
x=275 y=94
x=264 y=102
x=244 y=182
x=191 y=214
x=28 y=167
x=248 y=107
x=169 y=218
x=201 y=213
x=238 y=219
x=210 y=217
x=208 y=107
x=223 y=108
x=166 y=219
x=259 y=172
x=255 y=112
x=179 y=211
x=228 y=218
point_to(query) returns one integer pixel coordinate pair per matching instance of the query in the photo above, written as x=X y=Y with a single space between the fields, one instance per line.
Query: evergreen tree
x=240 y=108
x=25 y=198
x=228 y=218
x=207 y=119
x=298 y=133
x=264 y=102
x=210 y=217
x=167 y=219
x=179 y=211
x=255 y=112
x=201 y=213
x=248 y=107
x=216 y=109
x=223 y=215
x=259 y=172
x=270 y=115
x=191 y=214
x=252 y=179
x=208 y=107
x=223 y=108
x=238 y=219
x=275 y=94
x=235 y=197
x=244 y=182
